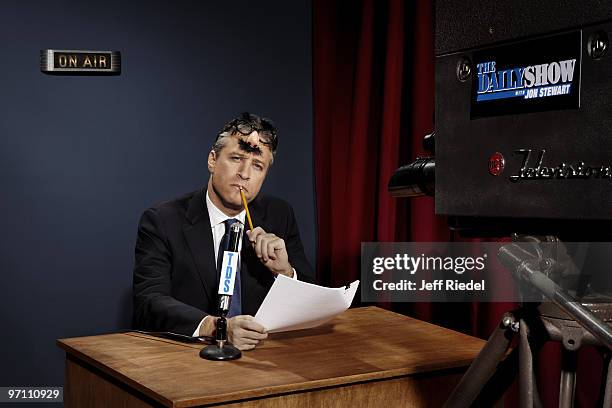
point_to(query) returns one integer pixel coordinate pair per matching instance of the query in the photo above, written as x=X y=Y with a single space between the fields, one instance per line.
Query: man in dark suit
x=179 y=241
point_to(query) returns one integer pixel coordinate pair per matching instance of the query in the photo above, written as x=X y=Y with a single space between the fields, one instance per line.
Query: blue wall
x=81 y=157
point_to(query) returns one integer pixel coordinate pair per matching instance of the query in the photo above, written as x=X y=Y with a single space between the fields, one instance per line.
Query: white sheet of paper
x=293 y=305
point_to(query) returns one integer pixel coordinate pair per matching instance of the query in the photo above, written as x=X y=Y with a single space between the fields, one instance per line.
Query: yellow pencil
x=246 y=208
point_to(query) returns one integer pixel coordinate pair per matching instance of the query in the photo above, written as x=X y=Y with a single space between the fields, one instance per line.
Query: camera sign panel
x=529 y=76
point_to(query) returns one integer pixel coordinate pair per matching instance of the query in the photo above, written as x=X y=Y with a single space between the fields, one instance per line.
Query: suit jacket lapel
x=198 y=234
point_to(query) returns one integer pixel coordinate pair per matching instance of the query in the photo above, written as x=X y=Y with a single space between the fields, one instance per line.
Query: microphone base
x=214 y=352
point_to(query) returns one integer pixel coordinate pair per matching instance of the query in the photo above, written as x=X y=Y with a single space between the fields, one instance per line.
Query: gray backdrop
x=81 y=157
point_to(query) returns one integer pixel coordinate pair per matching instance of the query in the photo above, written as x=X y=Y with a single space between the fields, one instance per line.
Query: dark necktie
x=236 y=304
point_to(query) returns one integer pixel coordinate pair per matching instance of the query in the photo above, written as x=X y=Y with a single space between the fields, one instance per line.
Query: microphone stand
x=222 y=350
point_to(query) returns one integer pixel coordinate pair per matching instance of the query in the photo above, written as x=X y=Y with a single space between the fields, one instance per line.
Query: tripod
x=566 y=320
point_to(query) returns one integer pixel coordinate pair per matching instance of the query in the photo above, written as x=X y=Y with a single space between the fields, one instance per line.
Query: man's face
x=242 y=162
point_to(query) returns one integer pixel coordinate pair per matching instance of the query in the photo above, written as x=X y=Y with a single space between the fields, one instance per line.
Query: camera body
x=523 y=115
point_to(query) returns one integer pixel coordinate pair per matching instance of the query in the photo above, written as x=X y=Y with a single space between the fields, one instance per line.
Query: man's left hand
x=271 y=251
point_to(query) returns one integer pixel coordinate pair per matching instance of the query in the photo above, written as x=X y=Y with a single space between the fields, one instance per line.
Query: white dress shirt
x=217 y=223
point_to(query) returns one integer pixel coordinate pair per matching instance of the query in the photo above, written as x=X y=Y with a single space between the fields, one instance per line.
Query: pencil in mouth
x=246 y=208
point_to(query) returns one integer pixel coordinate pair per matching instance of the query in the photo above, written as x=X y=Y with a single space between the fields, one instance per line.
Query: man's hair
x=248 y=121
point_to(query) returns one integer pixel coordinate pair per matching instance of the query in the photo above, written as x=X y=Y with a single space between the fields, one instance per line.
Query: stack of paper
x=293 y=305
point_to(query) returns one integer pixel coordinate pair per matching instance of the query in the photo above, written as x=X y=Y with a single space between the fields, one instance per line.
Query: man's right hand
x=244 y=332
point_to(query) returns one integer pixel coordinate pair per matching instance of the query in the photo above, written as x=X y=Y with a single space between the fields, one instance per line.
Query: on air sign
x=80 y=62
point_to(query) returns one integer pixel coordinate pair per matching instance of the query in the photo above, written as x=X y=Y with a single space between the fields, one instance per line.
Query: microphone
x=221 y=350
x=229 y=268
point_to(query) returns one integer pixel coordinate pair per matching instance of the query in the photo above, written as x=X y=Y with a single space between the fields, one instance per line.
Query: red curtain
x=373 y=89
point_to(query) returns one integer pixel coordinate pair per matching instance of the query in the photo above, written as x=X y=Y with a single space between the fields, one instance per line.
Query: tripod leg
x=568 y=379
x=484 y=365
x=525 y=368
x=608 y=394
x=537 y=401
x=500 y=381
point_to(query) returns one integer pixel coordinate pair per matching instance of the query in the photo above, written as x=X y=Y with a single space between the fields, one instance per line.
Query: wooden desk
x=348 y=362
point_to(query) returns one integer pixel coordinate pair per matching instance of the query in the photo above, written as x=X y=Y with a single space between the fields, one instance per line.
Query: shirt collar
x=217 y=216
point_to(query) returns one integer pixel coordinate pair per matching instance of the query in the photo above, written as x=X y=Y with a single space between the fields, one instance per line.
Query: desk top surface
x=361 y=344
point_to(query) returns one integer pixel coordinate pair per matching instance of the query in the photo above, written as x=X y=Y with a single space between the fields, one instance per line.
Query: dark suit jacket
x=175 y=277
